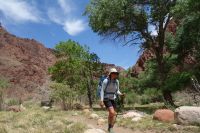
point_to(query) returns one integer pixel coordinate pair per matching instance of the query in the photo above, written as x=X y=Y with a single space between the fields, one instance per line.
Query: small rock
x=94 y=131
x=175 y=126
x=46 y=107
x=86 y=111
x=164 y=115
x=94 y=116
x=136 y=119
x=101 y=121
x=75 y=114
x=22 y=107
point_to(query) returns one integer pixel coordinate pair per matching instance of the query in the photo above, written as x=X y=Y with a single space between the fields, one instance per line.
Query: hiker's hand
x=123 y=95
x=101 y=104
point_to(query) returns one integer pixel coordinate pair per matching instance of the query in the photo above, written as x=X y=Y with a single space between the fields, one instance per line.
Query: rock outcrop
x=24 y=62
x=147 y=54
x=140 y=64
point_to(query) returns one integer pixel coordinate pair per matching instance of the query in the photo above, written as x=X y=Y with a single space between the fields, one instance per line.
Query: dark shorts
x=109 y=103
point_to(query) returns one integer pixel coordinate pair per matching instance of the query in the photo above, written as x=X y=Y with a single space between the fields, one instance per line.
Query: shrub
x=132 y=98
x=11 y=102
x=64 y=94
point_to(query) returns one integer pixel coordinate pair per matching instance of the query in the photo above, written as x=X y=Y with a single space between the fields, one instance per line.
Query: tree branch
x=132 y=41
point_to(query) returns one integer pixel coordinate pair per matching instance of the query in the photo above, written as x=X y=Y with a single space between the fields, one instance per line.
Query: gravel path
x=93 y=124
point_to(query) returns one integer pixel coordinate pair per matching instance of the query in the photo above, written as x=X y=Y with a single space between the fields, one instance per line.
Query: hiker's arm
x=118 y=91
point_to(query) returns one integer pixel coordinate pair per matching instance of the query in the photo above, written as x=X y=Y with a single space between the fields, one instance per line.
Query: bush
x=64 y=94
x=151 y=95
x=132 y=98
x=11 y=102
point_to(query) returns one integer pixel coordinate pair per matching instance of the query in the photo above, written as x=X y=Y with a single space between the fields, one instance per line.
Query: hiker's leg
x=108 y=104
x=112 y=116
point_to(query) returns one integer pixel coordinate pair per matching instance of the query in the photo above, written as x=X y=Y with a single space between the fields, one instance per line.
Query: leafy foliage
x=3 y=83
x=76 y=67
x=63 y=93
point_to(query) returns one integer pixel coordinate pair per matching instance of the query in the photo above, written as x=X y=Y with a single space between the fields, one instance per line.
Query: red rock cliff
x=24 y=62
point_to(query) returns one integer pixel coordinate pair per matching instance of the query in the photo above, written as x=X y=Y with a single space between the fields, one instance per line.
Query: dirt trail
x=93 y=124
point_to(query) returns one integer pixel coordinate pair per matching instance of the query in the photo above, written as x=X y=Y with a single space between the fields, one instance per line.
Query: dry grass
x=37 y=120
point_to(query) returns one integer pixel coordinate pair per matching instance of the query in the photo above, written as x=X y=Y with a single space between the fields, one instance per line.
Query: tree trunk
x=168 y=97
x=89 y=93
x=159 y=52
x=1 y=101
x=64 y=105
x=89 y=84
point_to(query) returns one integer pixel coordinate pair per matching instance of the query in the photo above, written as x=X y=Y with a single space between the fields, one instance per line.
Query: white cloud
x=54 y=16
x=66 y=6
x=74 y=27
x=19 y=11
x=63 y=13
x=64 y=16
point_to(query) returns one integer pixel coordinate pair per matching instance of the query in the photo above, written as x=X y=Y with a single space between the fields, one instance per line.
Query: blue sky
x=52 y=21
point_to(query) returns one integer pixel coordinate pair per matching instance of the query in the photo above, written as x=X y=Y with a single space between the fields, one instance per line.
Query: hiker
x=109 y=92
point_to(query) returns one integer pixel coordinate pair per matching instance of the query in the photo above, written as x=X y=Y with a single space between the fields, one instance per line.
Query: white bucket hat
x=113 y=70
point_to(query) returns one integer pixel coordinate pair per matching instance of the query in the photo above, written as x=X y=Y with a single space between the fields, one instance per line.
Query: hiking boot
x=110 y=130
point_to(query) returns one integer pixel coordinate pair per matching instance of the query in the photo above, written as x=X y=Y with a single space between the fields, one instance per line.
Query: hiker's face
x=114 y=75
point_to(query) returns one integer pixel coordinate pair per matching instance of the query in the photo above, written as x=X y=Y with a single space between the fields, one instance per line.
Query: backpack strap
x=107 y=84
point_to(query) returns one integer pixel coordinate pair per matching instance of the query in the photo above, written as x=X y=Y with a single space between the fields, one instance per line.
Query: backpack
x=101 y=79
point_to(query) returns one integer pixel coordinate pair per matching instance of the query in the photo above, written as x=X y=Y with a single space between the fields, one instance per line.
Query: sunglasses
x=115 y=73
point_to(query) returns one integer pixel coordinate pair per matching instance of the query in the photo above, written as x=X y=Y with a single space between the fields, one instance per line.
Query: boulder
x=94 y=131
x=164 y=115
x=101 y=121
x=94 y=116
x=135 y=119
x=132 y=114
x=188 y=115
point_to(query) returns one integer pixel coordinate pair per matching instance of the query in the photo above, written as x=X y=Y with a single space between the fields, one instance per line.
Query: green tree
x=92 y=67
x=76 y=67
x=186 y=43
x=133 y=21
